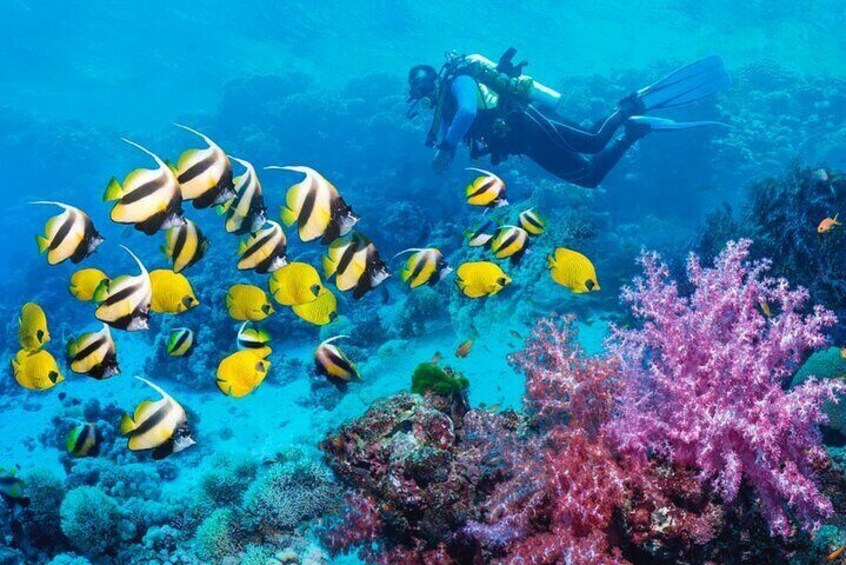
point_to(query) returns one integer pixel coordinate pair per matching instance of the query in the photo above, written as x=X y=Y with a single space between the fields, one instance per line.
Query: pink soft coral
x=704 y=378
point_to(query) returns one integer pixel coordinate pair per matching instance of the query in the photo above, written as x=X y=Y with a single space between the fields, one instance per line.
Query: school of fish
x=151 y=200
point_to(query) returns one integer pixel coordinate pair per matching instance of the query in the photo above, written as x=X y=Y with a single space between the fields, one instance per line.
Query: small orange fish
x=828 y=224
x=836 y=553
x=436 y=358
x=464 y=349
x=765 y=308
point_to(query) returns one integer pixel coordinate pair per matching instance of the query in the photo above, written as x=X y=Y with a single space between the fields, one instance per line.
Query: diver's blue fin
x=700 y=79
x=663 y=124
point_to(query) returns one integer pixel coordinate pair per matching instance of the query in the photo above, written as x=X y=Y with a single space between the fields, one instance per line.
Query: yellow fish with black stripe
x=148 y=198
x=486 y=190
x=204 y=175
x=32 y=327
x=481 y=278
x=68 y=235
x=36 y=370
x=172 y=292
x=253 y=337
x=481 y=235
x=320 y=312
x=84 y=441
x=317 y=207
x=248 y=302
x=509 y=242
x=184 y=245
x=424 y=266
x=124 y=302
x=84 y=282
x=246 y=212
x=241 y=373
x=573 y=270
x=180 y=343
x=532 y=222
x=333 y=363
x=263 y=251
x=161 y=426
x=94 y=354
x=295 y=283
x=355 y=264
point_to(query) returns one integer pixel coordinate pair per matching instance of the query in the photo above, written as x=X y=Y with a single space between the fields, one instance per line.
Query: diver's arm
x=463 y=90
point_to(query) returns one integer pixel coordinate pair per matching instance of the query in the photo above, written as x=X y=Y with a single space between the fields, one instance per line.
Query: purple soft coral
x=704 y=380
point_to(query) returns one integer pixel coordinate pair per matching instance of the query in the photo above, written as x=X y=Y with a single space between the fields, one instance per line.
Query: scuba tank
x=507 y=79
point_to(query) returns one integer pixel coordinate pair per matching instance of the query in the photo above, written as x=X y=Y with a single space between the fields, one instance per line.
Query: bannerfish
x=828 y=224
x=33 y=332
x=172 y=292
x=84 y=441
x=333 y=363
x=148 y=198
x=424 y=266
x=486 y=190
x=84 y=282
x=464 y=349
x=184 y=245
x=510 y=242
x=94 y=354
x=320 y=312
x=180 y=342
x=12 y=489
x=248 y=302
x=317 y=207
x=241 y=373
x=355 y=264
x=481 y=235
x=124 y=302
x=68 y=235
x=36 y=370
x=264 y=250
x=252 y=337
x=246 y=212
x=204 y=175
x=481 y=278
x=573 y=270
x=295 y=283
x=159 y=425
x=532 y=222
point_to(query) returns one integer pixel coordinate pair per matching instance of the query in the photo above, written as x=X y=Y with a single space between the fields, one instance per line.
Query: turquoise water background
x=323 y=84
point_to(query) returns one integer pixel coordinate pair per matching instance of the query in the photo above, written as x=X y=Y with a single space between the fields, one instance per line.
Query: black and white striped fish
x=246 y=212
x=509 y=242
x=160 y=425
x=124 y=302
x=149 y=198
x=424 y=266
x=355 y=264
x=532 y=222
x=317 y=207
x=263 y=251
x=252 y=337
x=180 y=343
x=204 y=175
x=69 y=235
x=184 y=245
x=332 y=363
x=94 y=354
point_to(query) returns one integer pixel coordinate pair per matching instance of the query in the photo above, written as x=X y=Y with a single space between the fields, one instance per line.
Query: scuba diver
x=499 y=111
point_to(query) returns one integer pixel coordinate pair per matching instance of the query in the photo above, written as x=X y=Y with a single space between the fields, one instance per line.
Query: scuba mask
x=422 y=88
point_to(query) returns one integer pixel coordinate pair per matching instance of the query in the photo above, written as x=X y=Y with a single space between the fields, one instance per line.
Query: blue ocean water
x=323 y=85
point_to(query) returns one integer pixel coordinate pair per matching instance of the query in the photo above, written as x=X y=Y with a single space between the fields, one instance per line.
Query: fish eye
x=502 y=281
x=590 y=284
x=315 y=289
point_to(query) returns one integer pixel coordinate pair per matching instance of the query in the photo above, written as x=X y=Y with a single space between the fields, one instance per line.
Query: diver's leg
x=601 y=164
x=575 y=138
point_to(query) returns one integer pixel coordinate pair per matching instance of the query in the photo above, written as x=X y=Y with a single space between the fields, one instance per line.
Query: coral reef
x=90 y=521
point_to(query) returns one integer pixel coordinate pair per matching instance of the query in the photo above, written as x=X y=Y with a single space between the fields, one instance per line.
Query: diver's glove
x=631 y=105
x=443 y=157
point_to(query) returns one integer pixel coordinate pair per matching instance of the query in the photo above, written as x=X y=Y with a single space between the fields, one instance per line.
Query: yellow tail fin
x=43 y=243
x=288 y=216
x=126 y=425
x=113 y=191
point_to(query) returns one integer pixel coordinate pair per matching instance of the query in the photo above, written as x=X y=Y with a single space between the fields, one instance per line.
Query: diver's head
x=422 y=82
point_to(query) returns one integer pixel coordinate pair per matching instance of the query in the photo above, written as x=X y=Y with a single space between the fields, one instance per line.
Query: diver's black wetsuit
x=554 y=144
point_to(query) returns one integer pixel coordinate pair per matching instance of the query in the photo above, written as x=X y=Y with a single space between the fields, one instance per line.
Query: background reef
x=293 y=84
